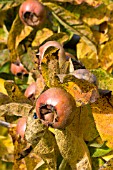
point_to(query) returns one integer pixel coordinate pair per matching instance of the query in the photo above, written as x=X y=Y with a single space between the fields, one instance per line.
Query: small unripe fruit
x=56 y=107
x=21 y=126
x=32 y=13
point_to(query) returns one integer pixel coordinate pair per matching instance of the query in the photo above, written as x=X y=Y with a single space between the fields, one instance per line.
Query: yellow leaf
x=86 y=55
x=82 y=91
x=106 y=55
x=102 y=111
x=2 y=88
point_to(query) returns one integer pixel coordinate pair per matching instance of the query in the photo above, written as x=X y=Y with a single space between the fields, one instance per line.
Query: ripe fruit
x=30 y=91
x=21 y=126
x=32 y=13
x=56 y=107
x=18 y=69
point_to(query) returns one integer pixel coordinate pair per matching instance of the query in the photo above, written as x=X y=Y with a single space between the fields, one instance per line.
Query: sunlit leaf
x=3 y=35
x=41 y=36
x=24 y=33
x=99 y=152
x=2 y=88
x=100 y=37
x=73 y=25
x=108 y=165
x=102 y=111
x=101 y=14
x=86 y=55
x=105 y=55
x=104 y=79
x=82 y=91
x=7 y=4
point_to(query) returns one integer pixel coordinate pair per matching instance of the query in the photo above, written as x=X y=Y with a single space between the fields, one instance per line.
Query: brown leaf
x=82 y=91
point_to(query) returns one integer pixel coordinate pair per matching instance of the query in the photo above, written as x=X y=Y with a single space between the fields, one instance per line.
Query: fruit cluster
x=55 y=107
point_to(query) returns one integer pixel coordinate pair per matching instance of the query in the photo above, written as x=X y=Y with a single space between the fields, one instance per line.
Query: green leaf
x=99 y=152
x=104 y=79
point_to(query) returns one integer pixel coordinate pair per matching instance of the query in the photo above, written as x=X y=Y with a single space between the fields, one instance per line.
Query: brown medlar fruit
x=32 y=13
x=56 y=107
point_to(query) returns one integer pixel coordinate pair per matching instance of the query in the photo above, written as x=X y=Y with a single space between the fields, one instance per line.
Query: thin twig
x=6 y=124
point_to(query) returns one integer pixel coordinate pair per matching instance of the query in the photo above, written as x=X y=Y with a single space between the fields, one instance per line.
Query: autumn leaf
x=102 y=111
x=82 y=91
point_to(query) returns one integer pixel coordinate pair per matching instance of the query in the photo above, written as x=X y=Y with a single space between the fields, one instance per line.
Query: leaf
x=100 y=37
x=3 y=35
x=84 y=74
x=15 y=94
x=14 y=32
x=4 y=57
x=4 y=99
x=86 y=55
x=82 y=91
x=17 y=109
x=41 y=36
x=77 y=154
x=108 y=165
x=5 y=69
x=61 y=37
x=73 y=25
x=2 y=88
x=101 y=13
x=100 y=151
x=7 y=4
x=43 y=142
x=104 y=79
x=22 y=35
x=105 y=55
x=30 y=61
x=87 y=125
x=102 y=111
x=75 y=2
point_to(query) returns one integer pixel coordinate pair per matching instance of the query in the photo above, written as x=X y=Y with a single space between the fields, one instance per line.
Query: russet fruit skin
x=18 y=68
x=32 y=13
x=30 y=91
x=21 y=126
x=56 y=107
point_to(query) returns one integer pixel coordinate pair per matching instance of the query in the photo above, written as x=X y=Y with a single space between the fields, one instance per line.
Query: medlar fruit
x=32 y=13
x=30 y=91
x=56 y=107
x=18 y=69
x=21 y=126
